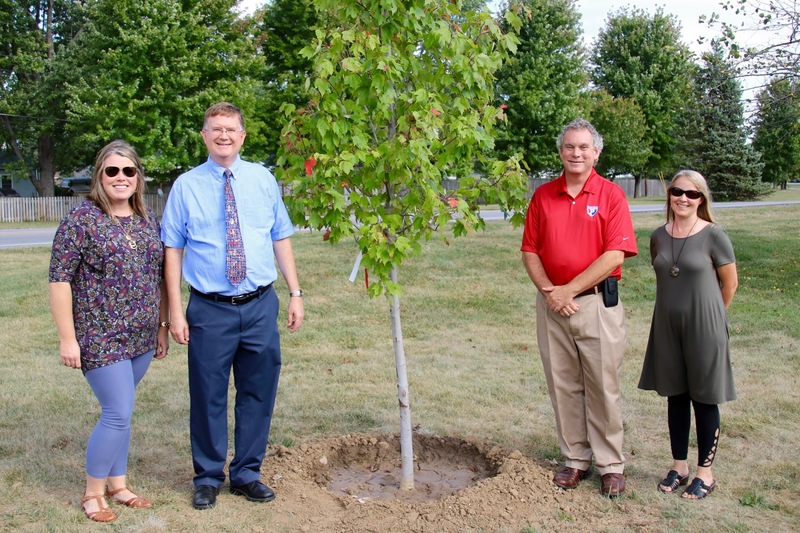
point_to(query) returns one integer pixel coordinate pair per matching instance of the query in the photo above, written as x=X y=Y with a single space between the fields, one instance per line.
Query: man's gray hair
x=581 y=124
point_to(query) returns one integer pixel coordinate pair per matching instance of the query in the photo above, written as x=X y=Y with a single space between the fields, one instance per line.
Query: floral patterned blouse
x=116 y=288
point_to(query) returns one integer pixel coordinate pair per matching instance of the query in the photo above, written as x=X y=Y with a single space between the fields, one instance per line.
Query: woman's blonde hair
x=98 y=195
x=704 y=209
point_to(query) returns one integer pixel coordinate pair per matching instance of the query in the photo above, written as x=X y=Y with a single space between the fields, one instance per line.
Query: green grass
x=474 y=371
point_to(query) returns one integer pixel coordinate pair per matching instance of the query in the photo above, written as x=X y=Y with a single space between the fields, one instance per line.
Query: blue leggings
x=114 y=386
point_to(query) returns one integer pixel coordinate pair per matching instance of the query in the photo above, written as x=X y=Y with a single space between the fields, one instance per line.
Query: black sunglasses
x=677 y=192
x=113 y=171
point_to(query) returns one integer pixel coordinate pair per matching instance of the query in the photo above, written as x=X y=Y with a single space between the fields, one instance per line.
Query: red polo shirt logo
x=591 y=210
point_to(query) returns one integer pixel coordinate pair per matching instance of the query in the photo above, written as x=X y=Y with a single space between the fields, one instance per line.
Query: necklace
x=674 y=270
x=127 y=232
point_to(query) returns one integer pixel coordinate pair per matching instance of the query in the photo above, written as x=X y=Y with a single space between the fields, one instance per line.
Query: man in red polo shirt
x=578 y=231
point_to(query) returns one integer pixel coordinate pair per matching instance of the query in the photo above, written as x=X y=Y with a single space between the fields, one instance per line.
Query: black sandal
x=673 y=480
x=698 y=489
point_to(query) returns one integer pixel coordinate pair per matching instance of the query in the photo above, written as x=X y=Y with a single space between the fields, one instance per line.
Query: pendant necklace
x=674 y=270
x=127 y=232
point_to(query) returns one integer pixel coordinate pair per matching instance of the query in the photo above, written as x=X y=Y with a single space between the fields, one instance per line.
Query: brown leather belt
x=588 y=292
x=233 y=300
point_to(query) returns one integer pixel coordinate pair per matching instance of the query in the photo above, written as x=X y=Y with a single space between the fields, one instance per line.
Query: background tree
x=641 y=57
x=542 y=82
x=401 y=95
x=714 y=137
x=32 y=115
x=777 y=130
x=780 y=21
x=623 y=126
x=146 y=70
x=282 y=29
x=473 y=5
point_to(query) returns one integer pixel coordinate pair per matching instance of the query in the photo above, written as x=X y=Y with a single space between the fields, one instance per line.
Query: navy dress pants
x=245 y=338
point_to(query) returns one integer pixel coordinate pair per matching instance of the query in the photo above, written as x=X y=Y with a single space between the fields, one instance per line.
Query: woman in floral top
x=106 y=287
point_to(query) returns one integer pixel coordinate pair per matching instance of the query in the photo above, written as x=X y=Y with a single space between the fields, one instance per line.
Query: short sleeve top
x=568 y=234
x=116 y=288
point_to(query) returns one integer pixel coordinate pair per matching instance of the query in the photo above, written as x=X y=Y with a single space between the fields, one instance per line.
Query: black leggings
x=679 y=417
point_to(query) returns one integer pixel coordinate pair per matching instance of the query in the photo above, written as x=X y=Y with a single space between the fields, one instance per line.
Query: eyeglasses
x=677 y=192
x=227 y=131
x=113 y=171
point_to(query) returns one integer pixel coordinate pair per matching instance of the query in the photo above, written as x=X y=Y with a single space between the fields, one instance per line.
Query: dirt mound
x=351 y=484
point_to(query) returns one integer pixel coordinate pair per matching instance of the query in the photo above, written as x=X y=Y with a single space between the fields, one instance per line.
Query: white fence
x=55 y=208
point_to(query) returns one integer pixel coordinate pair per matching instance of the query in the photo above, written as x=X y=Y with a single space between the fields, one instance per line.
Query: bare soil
x=351 y=484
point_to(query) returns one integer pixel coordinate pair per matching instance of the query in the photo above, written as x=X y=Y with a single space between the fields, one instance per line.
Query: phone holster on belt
x=610 y=291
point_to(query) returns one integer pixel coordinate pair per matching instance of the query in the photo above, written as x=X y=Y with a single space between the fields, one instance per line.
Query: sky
x=594 y=14
x=688 y=12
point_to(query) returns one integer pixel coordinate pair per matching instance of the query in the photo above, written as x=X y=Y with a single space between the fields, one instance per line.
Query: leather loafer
x=205 y=497
x=255 y=491
x=569 y=477
x=613 y=485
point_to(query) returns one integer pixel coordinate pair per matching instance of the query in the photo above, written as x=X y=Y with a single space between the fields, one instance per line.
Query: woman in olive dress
x=688 y=353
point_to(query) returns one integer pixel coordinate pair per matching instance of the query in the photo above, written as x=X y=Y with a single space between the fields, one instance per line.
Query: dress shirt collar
x=218 y=170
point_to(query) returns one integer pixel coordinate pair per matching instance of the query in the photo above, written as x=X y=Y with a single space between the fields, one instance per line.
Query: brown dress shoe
x=613 y=485
x=569 y=477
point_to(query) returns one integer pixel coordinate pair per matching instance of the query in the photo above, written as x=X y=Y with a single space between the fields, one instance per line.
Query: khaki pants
x=582 y=359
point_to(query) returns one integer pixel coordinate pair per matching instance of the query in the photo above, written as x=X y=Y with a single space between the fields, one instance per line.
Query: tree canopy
x=282 y=28
x=641 y=57
x=714 y=138
x=626 y=146
x=33 y=33
x=146 y=72
x=542 y=82
x=402 y=94
x=777 y=130
x=779 y=56
x=75 y=75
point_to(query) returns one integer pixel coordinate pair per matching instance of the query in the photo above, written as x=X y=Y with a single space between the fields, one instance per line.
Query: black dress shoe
x=255 y=491
x=205 y=497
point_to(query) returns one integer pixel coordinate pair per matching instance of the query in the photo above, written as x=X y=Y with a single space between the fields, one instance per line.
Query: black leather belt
x=233 y=300
x=588 y=292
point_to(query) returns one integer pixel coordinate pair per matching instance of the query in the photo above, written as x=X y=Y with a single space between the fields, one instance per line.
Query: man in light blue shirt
x=230 y=325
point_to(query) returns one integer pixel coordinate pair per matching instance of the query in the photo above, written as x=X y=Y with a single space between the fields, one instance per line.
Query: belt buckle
x=240 y=299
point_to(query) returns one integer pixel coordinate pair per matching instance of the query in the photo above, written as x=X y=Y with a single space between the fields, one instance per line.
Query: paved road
x=498 y=215
x=16 y=238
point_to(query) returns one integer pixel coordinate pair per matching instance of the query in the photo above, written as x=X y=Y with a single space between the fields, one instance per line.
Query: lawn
x=474 y=371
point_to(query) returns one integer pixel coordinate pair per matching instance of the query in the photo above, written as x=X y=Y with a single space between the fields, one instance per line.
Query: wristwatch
x=296 y=294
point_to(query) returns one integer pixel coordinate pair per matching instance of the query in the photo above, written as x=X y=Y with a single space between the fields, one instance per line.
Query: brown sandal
x=104 y=514
x=137 y=502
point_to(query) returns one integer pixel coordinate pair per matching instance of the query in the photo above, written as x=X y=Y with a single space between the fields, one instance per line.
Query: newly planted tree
x=401 y=99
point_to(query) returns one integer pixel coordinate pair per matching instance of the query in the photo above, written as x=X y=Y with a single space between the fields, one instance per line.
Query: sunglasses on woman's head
x=677 y=192
x=113 y=171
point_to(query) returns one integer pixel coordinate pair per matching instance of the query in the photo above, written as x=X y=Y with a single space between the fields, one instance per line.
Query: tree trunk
x=637 y=179
x=44 y=183
x=47 y=167
x=406 y=441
